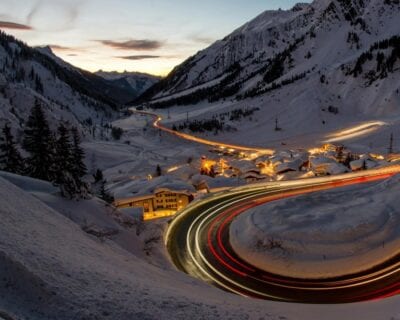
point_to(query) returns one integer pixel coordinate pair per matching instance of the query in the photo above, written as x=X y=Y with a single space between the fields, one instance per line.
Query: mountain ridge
x=65 y=92
x=256 y=44
x=135 y=82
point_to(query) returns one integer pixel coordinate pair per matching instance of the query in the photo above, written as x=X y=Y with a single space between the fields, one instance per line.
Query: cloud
x=32 y=13
x=13 y=25
x=54 y=15
x=202 y=40
x=59 y=48
x=143 y=44
x=66 y=49
x=138 y=57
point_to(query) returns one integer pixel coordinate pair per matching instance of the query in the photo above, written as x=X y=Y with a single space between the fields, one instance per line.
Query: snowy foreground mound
x=322 y=235
x=51 y=269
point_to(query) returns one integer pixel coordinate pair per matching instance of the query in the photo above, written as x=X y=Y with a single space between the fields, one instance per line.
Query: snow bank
x=321 y=235
x=146 y=187
x=51 y=269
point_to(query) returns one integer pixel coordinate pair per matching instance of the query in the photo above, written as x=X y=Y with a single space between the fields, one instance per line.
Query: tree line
x=217 y=122
x=51 y=156
x=225 y=88
x=384 y=62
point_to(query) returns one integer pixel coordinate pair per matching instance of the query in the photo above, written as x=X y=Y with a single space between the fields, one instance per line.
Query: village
x=163 y=195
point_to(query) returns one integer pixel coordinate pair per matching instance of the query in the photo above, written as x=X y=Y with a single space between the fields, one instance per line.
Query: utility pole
x=277 y=125
x=391 y=143
x=187 y=116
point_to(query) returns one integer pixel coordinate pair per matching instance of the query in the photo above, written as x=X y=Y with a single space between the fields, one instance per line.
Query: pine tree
x=39 y=143
x=79 y=167
x=100 y=187
x=158 y=171
x=64 y=164
x=98 y=176
x=103 y=194
x=10 y=158
x=38 y=85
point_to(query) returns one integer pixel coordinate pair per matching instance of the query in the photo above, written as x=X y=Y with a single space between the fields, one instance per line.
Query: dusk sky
x=149 y=36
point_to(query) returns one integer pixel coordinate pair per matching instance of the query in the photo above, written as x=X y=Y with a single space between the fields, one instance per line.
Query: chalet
x=253 y=176
x=326 y=166
x=285 y=167
x=158 y=198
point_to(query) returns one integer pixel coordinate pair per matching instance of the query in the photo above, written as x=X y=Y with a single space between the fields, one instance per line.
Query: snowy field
x=139 y=152
x=301 y=127
x=326 y=234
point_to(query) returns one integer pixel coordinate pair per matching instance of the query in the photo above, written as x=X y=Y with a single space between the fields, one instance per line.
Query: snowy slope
x=51 y=269
x=325 y=26
x=300 y=66
x=65 y=92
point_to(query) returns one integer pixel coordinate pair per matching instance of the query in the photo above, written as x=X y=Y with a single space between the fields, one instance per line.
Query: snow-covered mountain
x=315 y=66
x=65 y=92
x=323 y=36
x=135 y=82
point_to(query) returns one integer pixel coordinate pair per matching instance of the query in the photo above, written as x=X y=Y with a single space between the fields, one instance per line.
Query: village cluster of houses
x=165 y=195
x=285 y=165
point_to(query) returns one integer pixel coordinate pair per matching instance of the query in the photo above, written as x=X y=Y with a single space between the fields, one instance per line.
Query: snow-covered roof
x=148 y=187
x=289 y=166
x=217 y=182
x=244 y=166
x=320 y=161
x=360 y=164
x=253 y=175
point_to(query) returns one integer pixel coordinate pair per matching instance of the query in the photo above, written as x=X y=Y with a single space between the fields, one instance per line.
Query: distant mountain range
x=65 y=92
x=134 y=82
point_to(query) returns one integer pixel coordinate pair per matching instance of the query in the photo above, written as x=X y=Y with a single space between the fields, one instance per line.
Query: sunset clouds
x=148 y=36
x=12 y=25
x=139 y=57
x=138 y=45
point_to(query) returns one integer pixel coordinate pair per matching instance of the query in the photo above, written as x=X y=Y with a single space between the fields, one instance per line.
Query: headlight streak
x=357 y=131
x=157 y=124
x=245 y=197
x=226 y=204
x=210 y=213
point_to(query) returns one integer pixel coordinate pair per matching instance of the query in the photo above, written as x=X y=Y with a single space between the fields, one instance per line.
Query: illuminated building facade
x=163 y=203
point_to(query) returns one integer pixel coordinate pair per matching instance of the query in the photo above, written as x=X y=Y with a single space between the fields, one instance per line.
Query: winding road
x=198 y=243
x=157 y=124
x=197 y=240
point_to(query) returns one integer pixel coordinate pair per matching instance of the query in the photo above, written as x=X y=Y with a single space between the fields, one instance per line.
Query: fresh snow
x=52 y=269
x=63 y=259
x=301 y=107
x=326 y=234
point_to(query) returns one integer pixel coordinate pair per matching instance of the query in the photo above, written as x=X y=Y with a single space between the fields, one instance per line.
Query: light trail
x=355 y=132
x=157 y=124
x=204 y=227
x=201 y=229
